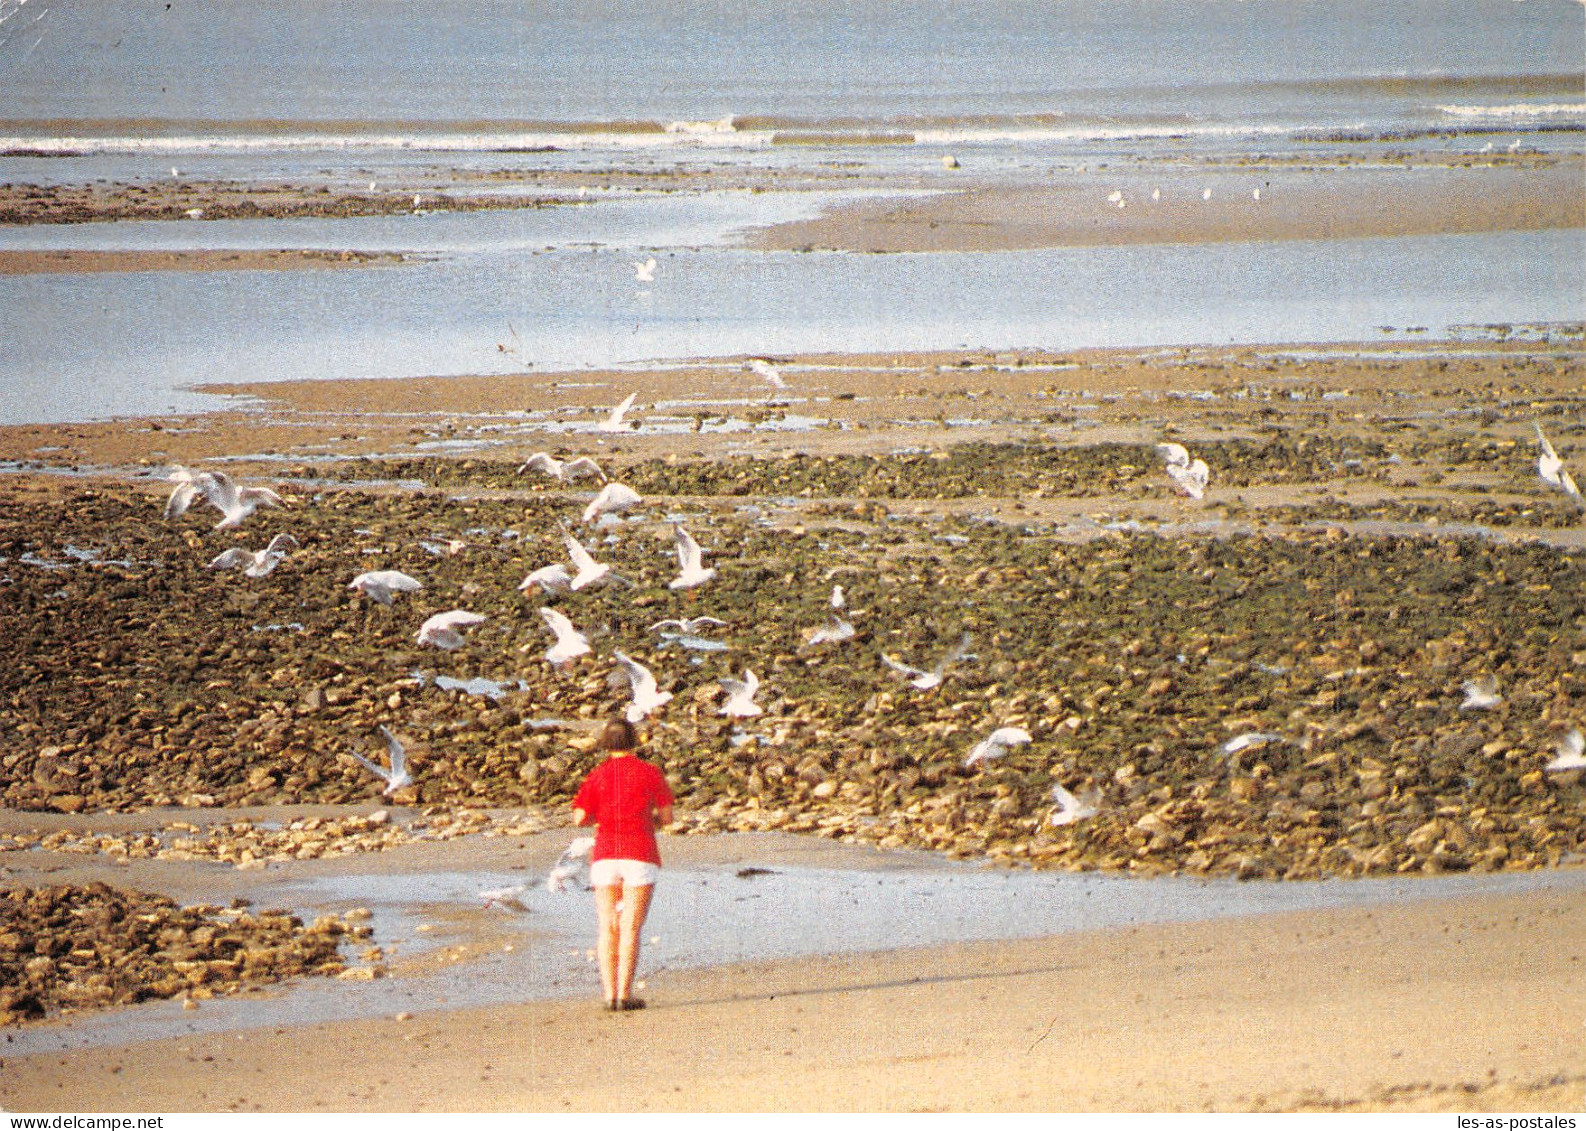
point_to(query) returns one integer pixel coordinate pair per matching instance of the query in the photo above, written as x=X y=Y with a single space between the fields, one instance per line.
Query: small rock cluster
x=71 y=947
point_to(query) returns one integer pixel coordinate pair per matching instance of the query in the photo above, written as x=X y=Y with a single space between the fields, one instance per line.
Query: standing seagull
x=257 y=563
x=1189 y=477
x=740 y=696
x=614 y=421
x=381 y=584
x=925 y=680
x=647 y=696
x=1551 y=468
x=690 y=560
x=441 y=629
x=998 y=743
x=397 y=776
x=613 y=498
x=570 y=643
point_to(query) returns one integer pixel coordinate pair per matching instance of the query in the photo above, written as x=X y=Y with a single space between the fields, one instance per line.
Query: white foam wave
x=718 y=126
x=1517 y=110
x=421 y=143
x=987 y=134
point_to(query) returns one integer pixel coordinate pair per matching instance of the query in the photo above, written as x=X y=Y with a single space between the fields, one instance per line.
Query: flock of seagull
x=445 y=630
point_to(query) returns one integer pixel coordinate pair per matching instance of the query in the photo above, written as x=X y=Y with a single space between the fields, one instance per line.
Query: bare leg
x=606 y=900
x=635 y=906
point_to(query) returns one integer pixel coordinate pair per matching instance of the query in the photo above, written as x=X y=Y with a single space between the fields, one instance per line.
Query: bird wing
x=257 y=495
x=640 y=681
x=281 y=543
x=1066 y=801
x=581 y=466
x=1010 y=736
x=542 y=461
x=181 y=499
x=689 y=556
x=398 y=753
x=379 y=770
x=219 y=490
x=767 y=371
x=957 y=653
x=912 y=673
x=232 y=558
x=660 y=624
x=456 y=618
x=1547 y=448
x=396 y=579
x=1175 y=455
x=1567 y=482
x=616 y=413
x=580 y=556
x=559 y=624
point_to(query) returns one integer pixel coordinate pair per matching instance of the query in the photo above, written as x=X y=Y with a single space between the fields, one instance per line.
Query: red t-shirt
x=619 y=796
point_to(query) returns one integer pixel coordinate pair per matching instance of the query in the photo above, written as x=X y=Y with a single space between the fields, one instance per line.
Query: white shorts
x=630 y=873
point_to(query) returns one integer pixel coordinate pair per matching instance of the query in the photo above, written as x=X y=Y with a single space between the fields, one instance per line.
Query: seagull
x=1571 y=753
x=613 y=497
x=740 y=696
x=444 y=547
x=998 y=743
x=645 y=272
x=590 y=572
x=689 y=625
x=1254 y=738
x=690 y=561
x=1480 y=694
x=767 y=371
x=834 y=631
x=1255 y=195
x=1190 y=477
x=549 y=579
x=187 y=489
x=570 y=643
x=646 y=696
x=397 y=776
x=235 y=503
x=571 y=871
x=614 y=421
x=1206 y=194
x=558 y=469
x=379 y=585
x=1551 y=468
x=925 y=680
x=256 y=564
x=441 y=629
x=1070 y=808
x=505 y=897
x=1116 y=197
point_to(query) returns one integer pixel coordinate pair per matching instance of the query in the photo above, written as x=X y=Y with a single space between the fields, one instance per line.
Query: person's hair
x=618 y=735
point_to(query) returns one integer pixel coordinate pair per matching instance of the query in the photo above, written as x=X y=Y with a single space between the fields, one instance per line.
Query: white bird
x=612 y=499
x=1480 y=694
x=235 y=503
x=768 y=372
x=925 y=680
x=1551 y=468
x=1174 y=455
x=444 y=547
x=397 y=776
x=1190 y=479
x=838 y=599
x=1070 y=808
x=570 y=643
x=381 y=584
x=997 y=743
x=614 y=421
x=442 y=629
x=548 y=579
x=1254 y=738
x=1156 y=194
x=187 y=489
x=571 y=871
x=834 y=631
x=255 y=563
x=1206 y=194
x=740 y=696
x=505 y=897
x=1571 y=753
x=590 y=572
x=645 y=272
x=692 y=571
x=646 y=695
x=558 y=469
x=690 y=625
x=1255 y=195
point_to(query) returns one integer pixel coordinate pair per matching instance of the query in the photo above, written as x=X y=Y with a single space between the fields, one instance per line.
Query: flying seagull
x=689 y=625
x=614 y=421
x=442 y=629
x=1189 y=476
x=508 y=897
x=1070 y=808
x=570 y=643
x=645 y=272
x=1480 y=694
x=255 y=563
x=397 y=776
x=1571 y=753
x=549 y=579
x=740 y=696
x=998 y=743
x=647 y=696
x=548 y=464
x=690 y=560
x=571 y=871
x=590 y=572
x=925 y=680
x=1254 y=738
x=383 y=584
x=766 y=372
x=1551 y=468
x=834 y=631
x=613 y=498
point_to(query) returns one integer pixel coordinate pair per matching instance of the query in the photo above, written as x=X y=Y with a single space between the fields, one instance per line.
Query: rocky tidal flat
x=1132 y=657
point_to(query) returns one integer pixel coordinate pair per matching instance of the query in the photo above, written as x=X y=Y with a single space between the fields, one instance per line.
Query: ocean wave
x=658 y=137
x=1515 y=110
x=717 y=126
